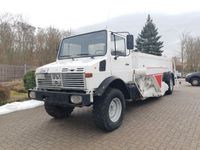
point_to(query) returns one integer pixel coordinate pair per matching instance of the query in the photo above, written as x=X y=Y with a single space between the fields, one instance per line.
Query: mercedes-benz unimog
x=101 y=69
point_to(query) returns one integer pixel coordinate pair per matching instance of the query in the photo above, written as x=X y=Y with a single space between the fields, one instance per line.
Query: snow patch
x=17 y=106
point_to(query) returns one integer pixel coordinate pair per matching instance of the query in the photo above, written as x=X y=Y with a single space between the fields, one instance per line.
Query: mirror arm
x=115 y=58
x=115 y=45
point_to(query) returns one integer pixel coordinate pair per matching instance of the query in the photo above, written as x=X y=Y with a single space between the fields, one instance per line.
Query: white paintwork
x=121 y=66
x=140 y=70
x=153 y=64
x=145 y=67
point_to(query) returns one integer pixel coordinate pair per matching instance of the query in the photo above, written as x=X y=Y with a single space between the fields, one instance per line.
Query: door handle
x=127 y=64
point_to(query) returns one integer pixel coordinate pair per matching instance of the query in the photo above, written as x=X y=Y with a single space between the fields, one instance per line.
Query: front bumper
x=60 y=98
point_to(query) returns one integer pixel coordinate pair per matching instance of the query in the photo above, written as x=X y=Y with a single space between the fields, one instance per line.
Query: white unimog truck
x=101 y=69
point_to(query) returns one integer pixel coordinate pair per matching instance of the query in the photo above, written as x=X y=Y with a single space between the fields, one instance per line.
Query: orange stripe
x=157 y=67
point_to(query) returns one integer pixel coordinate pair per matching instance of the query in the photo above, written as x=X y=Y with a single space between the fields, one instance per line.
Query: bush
x=4 y=94
x=29 y=80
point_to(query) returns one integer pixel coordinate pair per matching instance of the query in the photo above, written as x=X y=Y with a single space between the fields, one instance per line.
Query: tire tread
x=58 y=112
x=100 y=116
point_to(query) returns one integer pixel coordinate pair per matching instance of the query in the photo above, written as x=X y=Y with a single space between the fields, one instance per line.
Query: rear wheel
x=195 y=82
x=171 y=86
x=58 y=112
x=108 y=110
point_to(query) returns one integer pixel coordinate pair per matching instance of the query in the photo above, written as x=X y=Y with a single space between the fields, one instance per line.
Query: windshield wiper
x=86 y=54
x=83 y=54
x=65 y=56
x=68 y=56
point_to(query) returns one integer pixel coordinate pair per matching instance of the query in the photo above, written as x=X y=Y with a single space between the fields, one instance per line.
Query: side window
x=120 y=45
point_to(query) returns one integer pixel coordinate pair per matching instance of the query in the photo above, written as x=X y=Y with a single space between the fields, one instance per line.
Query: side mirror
x=129 y=41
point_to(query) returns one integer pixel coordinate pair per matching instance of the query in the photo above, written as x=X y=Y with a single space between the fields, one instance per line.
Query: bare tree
x=21 y=43
x=190 y=48
x=6 y=38
x=183 y=38
x=24 y=41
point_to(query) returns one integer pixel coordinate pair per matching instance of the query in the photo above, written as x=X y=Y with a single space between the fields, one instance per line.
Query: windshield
x=86 y=45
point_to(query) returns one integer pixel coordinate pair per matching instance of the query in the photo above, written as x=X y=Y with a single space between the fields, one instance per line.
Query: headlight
x=32 y=95
x=76 y=99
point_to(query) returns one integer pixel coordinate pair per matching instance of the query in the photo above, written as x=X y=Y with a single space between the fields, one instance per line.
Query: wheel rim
x=195 y=82
x=115 y=109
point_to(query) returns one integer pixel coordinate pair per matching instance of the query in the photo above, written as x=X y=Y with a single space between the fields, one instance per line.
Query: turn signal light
x=88 y=75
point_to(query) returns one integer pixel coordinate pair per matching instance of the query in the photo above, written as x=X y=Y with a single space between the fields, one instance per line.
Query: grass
x=16 y=96
x=16 y=85
x=17 y=92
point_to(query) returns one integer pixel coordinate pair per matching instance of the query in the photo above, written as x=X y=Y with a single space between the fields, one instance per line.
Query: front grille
x=62 y=80
x=45 y=82
x=73 y=80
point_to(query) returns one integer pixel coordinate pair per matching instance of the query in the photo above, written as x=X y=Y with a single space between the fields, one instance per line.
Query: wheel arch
x=113 y=82
x=197 y=77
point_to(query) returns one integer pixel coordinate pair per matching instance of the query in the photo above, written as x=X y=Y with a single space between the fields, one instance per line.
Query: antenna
x=108 y=18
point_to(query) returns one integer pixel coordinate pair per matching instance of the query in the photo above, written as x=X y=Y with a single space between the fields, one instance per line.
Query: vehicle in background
x=193 y=78
x=177 y=74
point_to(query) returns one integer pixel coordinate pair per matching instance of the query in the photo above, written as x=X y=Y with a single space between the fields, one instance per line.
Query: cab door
x=120 y=58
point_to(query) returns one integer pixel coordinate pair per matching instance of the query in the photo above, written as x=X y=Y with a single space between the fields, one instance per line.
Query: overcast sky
x=65 y=14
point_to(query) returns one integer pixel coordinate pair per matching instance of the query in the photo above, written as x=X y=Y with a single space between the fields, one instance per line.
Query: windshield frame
x=61 y=43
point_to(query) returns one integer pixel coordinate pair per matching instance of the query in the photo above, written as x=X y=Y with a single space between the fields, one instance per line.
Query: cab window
x=120 y=45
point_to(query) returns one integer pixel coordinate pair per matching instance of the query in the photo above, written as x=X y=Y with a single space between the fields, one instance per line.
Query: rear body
x=98 y=68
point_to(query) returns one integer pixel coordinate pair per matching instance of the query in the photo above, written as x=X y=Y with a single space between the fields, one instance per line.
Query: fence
x=12 y=72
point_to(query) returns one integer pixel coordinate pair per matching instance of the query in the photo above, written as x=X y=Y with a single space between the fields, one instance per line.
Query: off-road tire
x=58 y=112
x=195 y=81
x=171 y=86
x=101 y=109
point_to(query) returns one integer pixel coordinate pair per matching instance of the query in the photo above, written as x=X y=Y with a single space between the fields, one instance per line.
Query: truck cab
x=97 y=68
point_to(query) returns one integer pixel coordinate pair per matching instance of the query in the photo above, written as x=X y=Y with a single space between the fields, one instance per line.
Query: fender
x=109 y=82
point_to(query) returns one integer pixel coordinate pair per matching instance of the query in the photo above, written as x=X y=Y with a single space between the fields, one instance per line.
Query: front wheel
x=108 y=110
x=58 y=112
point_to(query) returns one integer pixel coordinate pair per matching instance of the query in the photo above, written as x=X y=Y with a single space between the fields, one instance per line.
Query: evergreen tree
x=148 y=41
